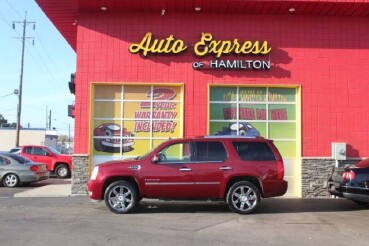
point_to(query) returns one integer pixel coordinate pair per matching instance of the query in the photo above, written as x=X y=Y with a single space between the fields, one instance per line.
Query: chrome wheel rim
x=120 y=198
x=244 y=198
x=62 y=172
x=11 y=180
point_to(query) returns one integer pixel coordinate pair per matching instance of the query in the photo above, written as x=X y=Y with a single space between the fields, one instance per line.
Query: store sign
x=233 y=64
x=207 y=46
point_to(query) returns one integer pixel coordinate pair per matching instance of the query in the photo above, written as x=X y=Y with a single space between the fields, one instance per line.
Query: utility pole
x=46 y=120
x=50 y=120
x=23 y=39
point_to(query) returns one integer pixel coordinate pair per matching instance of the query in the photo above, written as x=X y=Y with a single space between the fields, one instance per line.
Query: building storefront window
x=269 y=112
x=129 y=120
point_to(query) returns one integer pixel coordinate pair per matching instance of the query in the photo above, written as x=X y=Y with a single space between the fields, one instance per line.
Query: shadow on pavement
x=51 y=180
x=303 y=205
x=268 y=206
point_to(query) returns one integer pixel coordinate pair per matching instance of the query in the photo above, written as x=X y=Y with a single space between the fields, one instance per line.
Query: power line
x=2 y=17
x=39 y=56
x=9 y=109
x=19 y=15
x=7 y=95
x=43 y=65
x=49 y=65
x=47 y=53
x=46 y=66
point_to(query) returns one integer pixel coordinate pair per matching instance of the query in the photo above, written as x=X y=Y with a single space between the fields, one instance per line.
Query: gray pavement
x=73 y=221
x=49 y=215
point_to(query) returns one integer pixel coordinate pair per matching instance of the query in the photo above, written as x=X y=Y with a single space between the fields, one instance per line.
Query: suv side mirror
x=155 y=159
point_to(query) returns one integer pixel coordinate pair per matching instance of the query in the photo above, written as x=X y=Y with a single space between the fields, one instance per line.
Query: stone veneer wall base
x=315 y=174
x=79 y=175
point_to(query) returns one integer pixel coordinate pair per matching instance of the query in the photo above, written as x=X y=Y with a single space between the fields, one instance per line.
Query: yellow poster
x=129 y=120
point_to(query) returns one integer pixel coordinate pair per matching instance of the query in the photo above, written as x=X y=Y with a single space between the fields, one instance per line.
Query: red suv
x=57 y=163
x=238 y=170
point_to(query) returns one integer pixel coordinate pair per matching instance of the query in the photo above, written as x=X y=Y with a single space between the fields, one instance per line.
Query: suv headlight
x=94 y=173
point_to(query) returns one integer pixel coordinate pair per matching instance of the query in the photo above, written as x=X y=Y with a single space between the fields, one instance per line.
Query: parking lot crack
x=215 y=224
x=308 y=223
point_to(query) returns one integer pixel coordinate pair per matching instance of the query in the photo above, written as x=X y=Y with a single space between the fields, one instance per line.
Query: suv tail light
x=34 y=168
x=280 y=169
x=348 y=176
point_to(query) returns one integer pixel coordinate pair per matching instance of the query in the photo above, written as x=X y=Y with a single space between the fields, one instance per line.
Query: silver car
x=16 y=169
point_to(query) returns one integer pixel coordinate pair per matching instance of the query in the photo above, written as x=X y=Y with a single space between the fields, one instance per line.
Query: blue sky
x=47 y=68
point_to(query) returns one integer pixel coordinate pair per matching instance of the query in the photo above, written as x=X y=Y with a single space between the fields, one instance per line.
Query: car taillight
x=280 y=169
x=348 y=176
x=34 y=168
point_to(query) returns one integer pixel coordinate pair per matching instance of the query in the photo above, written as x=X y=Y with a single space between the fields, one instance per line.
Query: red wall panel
x=326 y=56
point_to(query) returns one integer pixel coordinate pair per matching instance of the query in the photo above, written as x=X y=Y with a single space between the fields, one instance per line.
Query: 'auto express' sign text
x=208 y=46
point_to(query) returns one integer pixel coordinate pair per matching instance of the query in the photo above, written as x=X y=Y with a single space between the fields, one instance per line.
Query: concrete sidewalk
x=52 y=190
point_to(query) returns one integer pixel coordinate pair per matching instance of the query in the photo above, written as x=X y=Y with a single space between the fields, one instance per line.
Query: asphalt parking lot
x=279 y=221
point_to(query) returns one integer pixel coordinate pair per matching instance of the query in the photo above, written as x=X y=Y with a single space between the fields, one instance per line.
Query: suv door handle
x=225 y=168
x=185 y=169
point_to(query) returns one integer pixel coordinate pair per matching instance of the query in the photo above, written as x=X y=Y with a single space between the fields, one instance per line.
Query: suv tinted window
x=179 y=152
x=254 y=151
x=39 y=151
x=210 y=151
x=28 y=150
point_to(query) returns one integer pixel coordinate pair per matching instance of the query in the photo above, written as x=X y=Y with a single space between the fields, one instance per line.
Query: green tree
x=4 y=122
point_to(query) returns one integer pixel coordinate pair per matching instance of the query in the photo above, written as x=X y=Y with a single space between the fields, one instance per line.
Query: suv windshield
x=53 y=151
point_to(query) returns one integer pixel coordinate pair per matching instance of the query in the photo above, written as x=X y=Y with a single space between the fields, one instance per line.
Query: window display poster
x=253 y=111
x=129 y=120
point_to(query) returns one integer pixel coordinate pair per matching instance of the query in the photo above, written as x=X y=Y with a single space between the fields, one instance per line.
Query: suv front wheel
x=243 y=197
x=121 y=197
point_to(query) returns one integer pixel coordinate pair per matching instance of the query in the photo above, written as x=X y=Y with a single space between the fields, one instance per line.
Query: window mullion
x=238 y=109
x=151 y=115
x=121 y=120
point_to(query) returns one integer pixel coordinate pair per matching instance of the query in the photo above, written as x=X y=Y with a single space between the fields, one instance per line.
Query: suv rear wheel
x=243 y=197
x=62 y=171
x=121 y=197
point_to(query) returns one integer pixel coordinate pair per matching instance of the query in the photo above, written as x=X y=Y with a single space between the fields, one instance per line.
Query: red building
x=292 y=71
